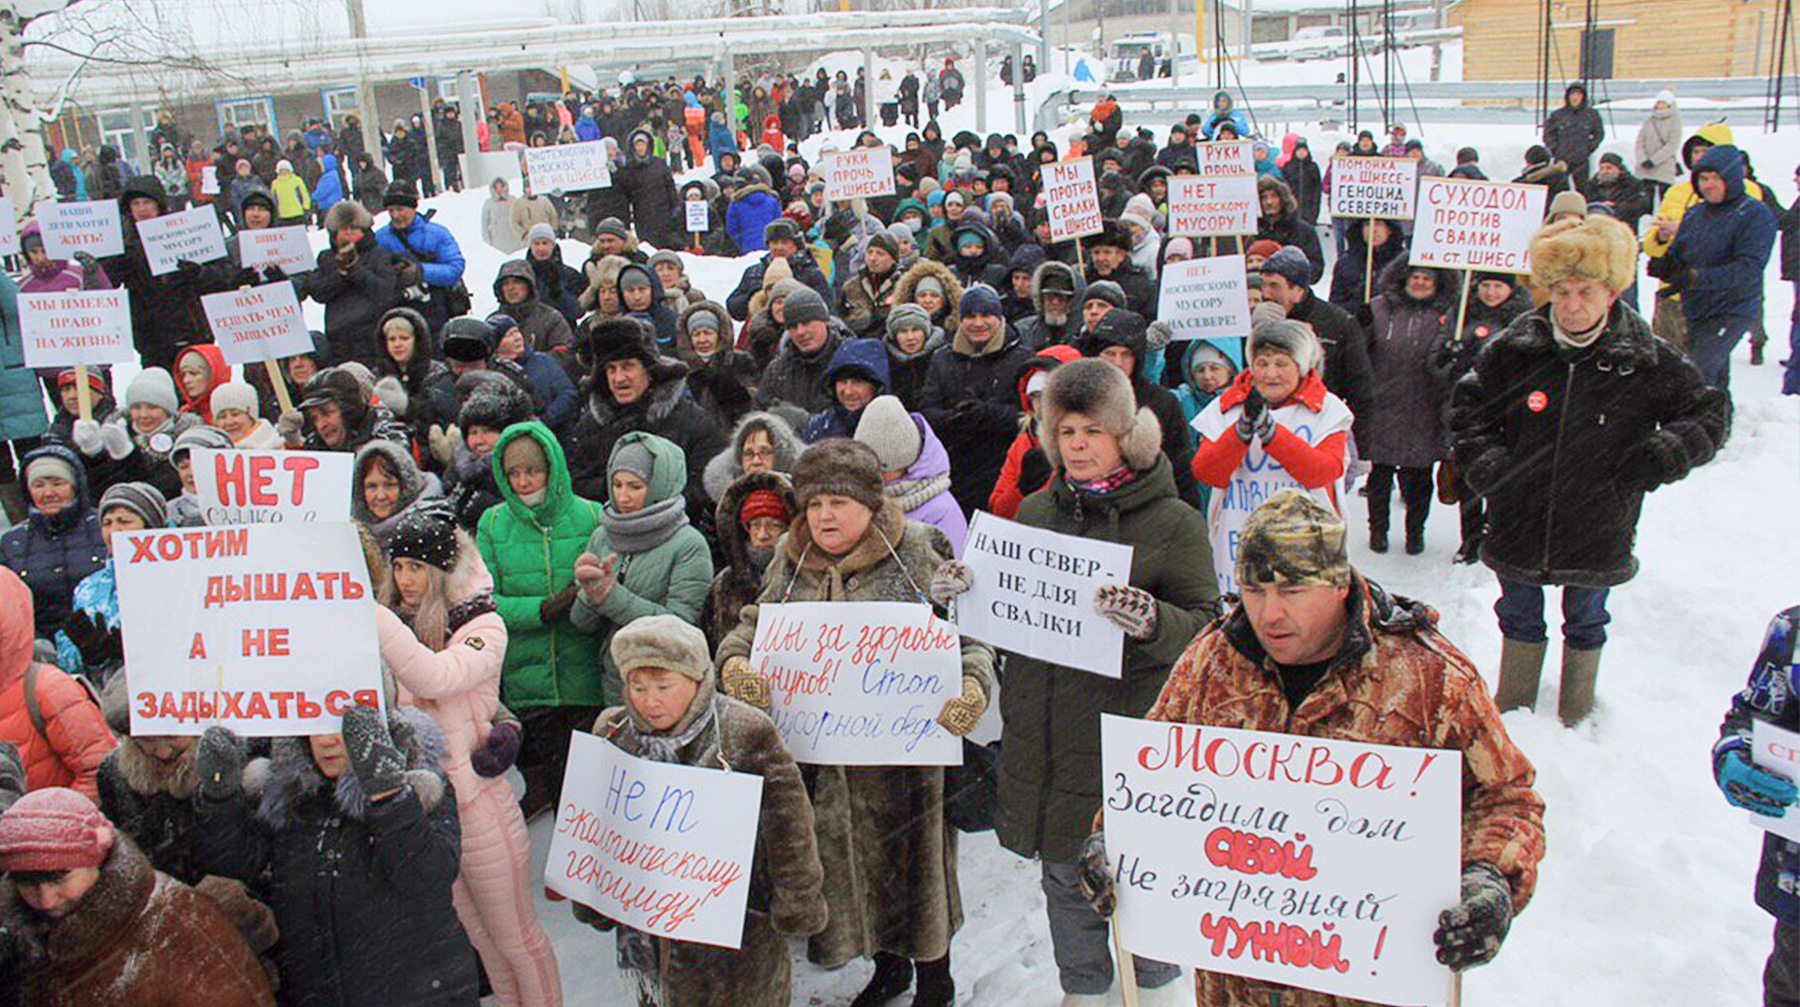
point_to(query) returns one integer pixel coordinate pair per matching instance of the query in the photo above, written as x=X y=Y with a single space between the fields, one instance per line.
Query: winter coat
x=951 y=319
x=739 y=579
x=544 y=326
x=797 y=378
x=1407 y=429
x=361 y=890
x=293 y=200
x=1034 y=332
x=785 y=897
x=532 y=209
x=1050 y=784
x=98 y=596
x=139 y=938
x=1395 y=681
x=355 y=300
x=329 y=190
x=907 y=371
x=923 y=493
x=1008 y=492
x=531 y=553
x=1302 y=178
x=1625 y=195
x=968 y=399
x=658 y=316
x=558 y=284
x=1573 y=134
x=1726 y=245
x=665 y=410
x=1290 y=227
x=1347 y=274
x=888 y=853
x=1769 y=696
x=1138 y=284
x=724 y=383
x=866 y=358
x=1657 y=151
x=1564 y=509
x=866 y=302
x=68 y=751
x=497 y=230
x=801 y=265
x=21 y=397
x=165 y=310
x=52 y=553
x=652 y=189
x=1681 y=196
x=752 y=207
x=431 y=397
x=439 y=257
x=1347 y=371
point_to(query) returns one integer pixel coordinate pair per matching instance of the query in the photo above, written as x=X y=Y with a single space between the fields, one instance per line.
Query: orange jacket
x=68 y=751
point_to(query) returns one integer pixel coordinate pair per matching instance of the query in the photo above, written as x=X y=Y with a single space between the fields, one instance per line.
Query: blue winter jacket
x=98 y=596
x=1726 y=245
x=1770 y=695
x=586 y=129
x=719 y=140
x=747 y=215
x=1236 y=117
x=330 y=188
x=51 y=554
x=854 y=358
x=21 y=398
x=431 y=240
x=552 y=387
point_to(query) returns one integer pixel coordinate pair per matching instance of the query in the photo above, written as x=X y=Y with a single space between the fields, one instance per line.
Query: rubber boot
x=893 y=975
x=936 y=988
x=1521 y=666
x=1579 y=669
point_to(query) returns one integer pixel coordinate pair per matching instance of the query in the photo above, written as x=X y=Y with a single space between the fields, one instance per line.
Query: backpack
x=34 y=708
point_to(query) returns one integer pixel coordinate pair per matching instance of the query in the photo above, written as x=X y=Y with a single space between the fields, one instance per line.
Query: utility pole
x=366 y=109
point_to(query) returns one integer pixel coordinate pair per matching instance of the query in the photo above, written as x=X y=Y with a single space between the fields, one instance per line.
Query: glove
x=1129 y=608
x=1034 y=471
x=962 y=713
x=220 y=764
x=1752 y=787
x=374 y=759
x=443 y=442
x=90 y=267
x=1652 y=462
x=87 y=437
x=1485 y=471
x=952 y=578
x=1095 y=875
x=742 y=684
x=1681 y=280
x=593 y=919
x=597 y=577
x=1470 y=934
x=501 y=750
x=557 y=605
x=1158 y=335
x=288 y=424
x=116 y=440
x=1250 y=421
x=100 y=645
x=1365 y=316
x=274 y=274
x=392 y=395
x=189 y=266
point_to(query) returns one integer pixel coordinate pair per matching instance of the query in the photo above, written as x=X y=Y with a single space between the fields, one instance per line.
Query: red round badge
x=1537 y=402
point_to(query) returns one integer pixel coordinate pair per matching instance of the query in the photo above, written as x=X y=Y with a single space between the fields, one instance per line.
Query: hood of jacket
x=1047 y=359
x=1065 y=271
x=1728 y=162
x=865 y=358
x=726 y=467
x=1444 y=295
x=734 y=544
x=412 y=481
x=148 y=186
x=217 y=373
x=656 y=287
x=1190 y=358
x=516 y=269
x=953 y=290
x=287 y=778
x=684 y=346
x=17 y=634
x=933 y=459
x=1715 y=133
x=558 y=488
x=668 y=473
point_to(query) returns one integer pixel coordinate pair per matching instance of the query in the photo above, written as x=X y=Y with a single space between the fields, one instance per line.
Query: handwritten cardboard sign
x=68 y=327
x=1465 y=224
x=1381 y=187
x=1206 y=298
x=1072 y=199
x=1204 y=206
x=192 y=235
x=860 y=683
x=268 y=630
x=257 y=323
x=568 y=167
x=1033 y=594
x=660 y=847
x=1310 y=862
x=1226 y=157
x=91 y=226
x=696 y=215
x=272 y=487
x=1778 y=751
x=858 y=173
x=284 y=247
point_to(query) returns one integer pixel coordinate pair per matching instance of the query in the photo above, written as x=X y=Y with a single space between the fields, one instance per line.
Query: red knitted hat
x=53 y=829
x=763 y=503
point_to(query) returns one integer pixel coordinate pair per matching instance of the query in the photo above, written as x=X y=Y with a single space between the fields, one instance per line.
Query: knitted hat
x=1292 y=265
x=153 y=387
x=970 y=237
x=761 y=504
x=260 y=198
x=804 y=305
x=428 y=536
x=1592 y=248
x=500 y=323
x=702 y=319
x=841 y=467
x=907 y=316
x=284 y=167
x=613 y=226
x=1266 y=311
x=633 y=277
x=901 y=233
x=1105 y=290
x=199 y=437
x=888 y=428
x=96 y=379
x=1293 y=540
x=142 y=499
x=51 y=465
x=1296 y=339
x=664 y=255
x=1263 y=248
x=980 y=299
x=954 y=198
x=400 y=192
x=663 y=642
x=540 y=230
x=1101 y=392
x=929 y=282
x=1567 y=201
x=53 y=829
x=885 y=242
x=233 y=395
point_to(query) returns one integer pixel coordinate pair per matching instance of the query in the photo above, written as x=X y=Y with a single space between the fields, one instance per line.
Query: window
x=1597 y=54
x=339 y=103
x=240 y=112
x=118 y=129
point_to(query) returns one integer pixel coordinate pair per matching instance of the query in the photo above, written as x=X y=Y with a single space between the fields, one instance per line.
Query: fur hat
x=1114 y=234
x=495 y=405
x=349 y=213
x=1101 y=392
x=467 y=339
x=665 y=642
x=623 y=338
x=841 y=467
x=1293 y=540
x=1296 y=339
x=781 y=229
x=1594 y=248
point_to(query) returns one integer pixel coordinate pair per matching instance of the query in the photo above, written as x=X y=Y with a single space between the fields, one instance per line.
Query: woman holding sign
x=888 y=852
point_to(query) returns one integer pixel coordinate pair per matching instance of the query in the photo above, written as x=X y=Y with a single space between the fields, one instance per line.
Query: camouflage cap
x=1293 y=540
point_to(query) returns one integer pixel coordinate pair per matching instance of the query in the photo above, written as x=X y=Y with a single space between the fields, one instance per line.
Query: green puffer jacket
x=531 y=553
x=670 y=578
x=1050 y=779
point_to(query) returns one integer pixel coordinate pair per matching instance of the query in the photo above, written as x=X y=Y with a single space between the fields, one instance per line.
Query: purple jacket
x=937 y=509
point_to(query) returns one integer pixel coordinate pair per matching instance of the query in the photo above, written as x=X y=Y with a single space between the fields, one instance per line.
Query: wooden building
x=1630 y=39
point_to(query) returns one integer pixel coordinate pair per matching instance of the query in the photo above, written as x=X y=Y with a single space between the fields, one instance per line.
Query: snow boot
x=1579 y=669
x=893 y=976
x=936 y=988
x=1521 y=666
x=1378 y=541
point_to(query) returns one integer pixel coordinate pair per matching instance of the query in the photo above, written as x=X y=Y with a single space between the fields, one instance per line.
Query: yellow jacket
x=1681 y=195
x=291 y=197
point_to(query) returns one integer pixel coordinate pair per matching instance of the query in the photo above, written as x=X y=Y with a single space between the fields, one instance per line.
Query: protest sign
x=1033 y=594
x=257 y=323
x=283 y=247
x=660 y=847
x=1465 y=224
x=1227 y=157
x=1208 y=206
x=268 y=630
x=1383 y=187
x=70 y=327
x=858 y=173
x=1071 y=199
x=191 y=235
x=272 y=487
x=9 y=227
x=696 y=215
x=1311 y=862
x=209 y=180
x=1206 y=299
x=1778 y=751
x=568 y=167
x=860 y=683
x=92 y=226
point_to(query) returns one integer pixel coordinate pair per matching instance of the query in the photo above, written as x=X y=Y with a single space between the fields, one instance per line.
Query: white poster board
x=860 y=683
x=209 y=180
x=1033 y=594
x=283 y=247
x=1071 y=199
x=257 y=323
x=1205 y=298
x=660 y=847
x=1385 y=188
x=858 y=173
x=192 y=234
x=272 y=487
x=92 y=226
x=9 y=227
x=1778 y=751
x=68 y=327
x=1310 y=862
x=568 y=167
x=1465 y=224
x=1226 y=157
x=1205 y=206
x=268 y=630
x=696 y=210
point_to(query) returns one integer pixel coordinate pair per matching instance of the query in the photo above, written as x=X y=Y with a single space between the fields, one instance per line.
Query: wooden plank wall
x=1653 y=38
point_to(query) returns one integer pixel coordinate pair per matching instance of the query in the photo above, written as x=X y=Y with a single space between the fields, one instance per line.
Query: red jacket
x=1004 y=501
x=68 y=751
x=1216 y=460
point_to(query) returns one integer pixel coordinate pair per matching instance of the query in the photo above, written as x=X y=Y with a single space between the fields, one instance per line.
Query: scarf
x=911 y=494
x=1107 y=483
x=638 y=951
x=1575 y=340
x=641 y=531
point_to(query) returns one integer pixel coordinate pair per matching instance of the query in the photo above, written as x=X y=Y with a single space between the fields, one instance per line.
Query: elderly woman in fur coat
x=445 y=644
x=888 y=851
x=672 y=714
